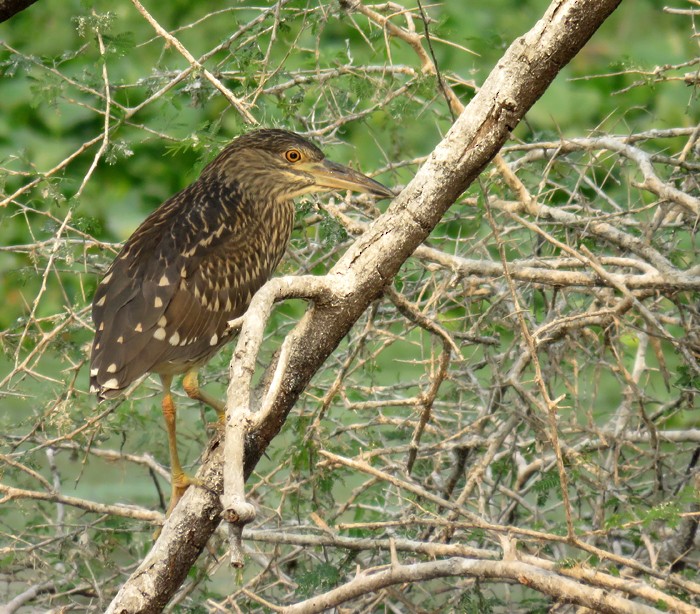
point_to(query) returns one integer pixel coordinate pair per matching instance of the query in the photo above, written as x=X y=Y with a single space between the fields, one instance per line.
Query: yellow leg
x=178 y=478
x=191 y=386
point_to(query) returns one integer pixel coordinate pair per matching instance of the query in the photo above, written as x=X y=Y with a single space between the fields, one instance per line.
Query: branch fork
x=242 y=417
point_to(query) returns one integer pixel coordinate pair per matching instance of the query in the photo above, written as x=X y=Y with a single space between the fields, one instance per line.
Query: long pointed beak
x=333 y=176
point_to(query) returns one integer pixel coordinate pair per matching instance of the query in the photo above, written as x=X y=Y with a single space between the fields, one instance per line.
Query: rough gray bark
x=520 y=78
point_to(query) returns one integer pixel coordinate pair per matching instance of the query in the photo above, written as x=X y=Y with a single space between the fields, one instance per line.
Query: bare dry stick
x=235 y=102
x=61 y=165
x=546 y=582
x=126 y=511
x=108 y=103
x=552 y=271
x=47 y=270
x=580 y=573
x=402 y=484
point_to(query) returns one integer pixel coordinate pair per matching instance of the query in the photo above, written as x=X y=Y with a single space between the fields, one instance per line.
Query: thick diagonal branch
x=519 y=79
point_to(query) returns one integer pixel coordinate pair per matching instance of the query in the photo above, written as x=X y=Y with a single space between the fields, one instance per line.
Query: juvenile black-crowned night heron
x=195 y=263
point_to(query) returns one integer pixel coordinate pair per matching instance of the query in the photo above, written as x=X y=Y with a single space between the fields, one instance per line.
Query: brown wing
x=189 y=268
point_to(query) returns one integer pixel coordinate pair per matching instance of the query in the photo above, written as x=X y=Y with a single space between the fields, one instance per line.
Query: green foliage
x=321 y=578
x=473 y=601
x=568 y=563
x=331 y=231
x=687 y=378
x=548 y=482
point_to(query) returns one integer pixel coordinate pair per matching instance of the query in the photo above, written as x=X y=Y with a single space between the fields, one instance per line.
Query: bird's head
x=282 y=165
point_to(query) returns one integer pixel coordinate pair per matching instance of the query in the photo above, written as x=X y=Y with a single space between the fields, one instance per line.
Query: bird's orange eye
x=292 y=155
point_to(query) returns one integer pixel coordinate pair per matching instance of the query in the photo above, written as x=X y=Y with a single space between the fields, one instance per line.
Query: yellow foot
x=180 y=482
